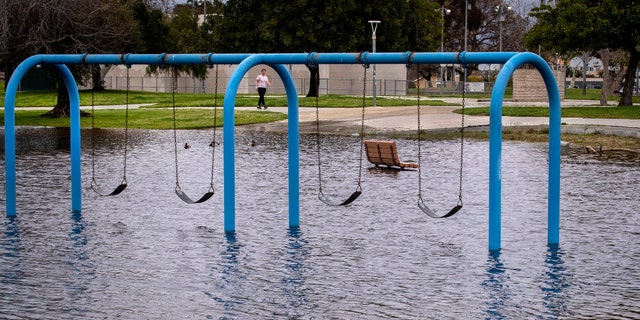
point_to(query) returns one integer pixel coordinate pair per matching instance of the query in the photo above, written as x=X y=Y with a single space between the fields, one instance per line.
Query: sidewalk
x=404 y=119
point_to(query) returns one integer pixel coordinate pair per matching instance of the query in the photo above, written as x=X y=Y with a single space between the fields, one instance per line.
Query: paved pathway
x=390 y=119
x=404 y=119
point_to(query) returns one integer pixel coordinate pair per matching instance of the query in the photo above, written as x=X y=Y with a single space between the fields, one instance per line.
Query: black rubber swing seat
x=188 y=200
x=351 y=198
x=104 y=193
x=432 y=214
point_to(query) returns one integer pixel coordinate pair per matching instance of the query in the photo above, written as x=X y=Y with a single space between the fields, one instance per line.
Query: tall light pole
x=466 y=32
x=374 y=28
x=500 y=10
x=197 y=3
x=443 y=11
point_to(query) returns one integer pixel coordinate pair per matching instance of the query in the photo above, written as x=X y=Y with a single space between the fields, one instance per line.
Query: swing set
x=510 y=61
x=390 y=158
x=178 y=190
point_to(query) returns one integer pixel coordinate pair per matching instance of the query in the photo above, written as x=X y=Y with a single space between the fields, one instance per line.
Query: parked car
x=635 y=90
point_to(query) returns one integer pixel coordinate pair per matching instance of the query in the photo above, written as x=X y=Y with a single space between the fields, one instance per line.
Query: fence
x=193 y=85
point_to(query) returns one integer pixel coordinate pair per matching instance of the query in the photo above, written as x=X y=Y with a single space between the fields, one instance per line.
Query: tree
x=252 y=26
x=483 y=21
x=63 y=27
x=590 y=26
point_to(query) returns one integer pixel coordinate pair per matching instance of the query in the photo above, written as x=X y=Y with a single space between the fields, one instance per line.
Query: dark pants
x=261 y=92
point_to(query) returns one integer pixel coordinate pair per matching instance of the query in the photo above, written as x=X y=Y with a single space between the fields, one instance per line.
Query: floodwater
x=145 y=254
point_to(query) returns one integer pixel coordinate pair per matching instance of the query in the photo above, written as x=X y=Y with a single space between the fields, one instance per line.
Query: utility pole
x=374 y=28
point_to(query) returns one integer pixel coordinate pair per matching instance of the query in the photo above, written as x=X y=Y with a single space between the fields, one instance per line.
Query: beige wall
x=528 y=85
x=334 y=79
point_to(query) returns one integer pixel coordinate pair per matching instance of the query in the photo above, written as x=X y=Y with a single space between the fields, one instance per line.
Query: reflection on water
x=146 y=254
x=556 y=285
x=11 y=268
x=496 y=286
x=227 y=291
x=294 y=277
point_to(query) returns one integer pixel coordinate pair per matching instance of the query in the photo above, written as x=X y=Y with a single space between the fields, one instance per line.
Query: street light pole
x=466 y=32
x=500 y=10
x=466 y=36
x=443 y=10
x=374 y=28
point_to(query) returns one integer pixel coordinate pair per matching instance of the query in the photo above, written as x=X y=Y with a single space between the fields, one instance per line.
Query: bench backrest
x=382 y=152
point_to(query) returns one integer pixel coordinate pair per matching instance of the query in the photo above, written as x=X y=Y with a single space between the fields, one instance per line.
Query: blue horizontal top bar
x=312 y=58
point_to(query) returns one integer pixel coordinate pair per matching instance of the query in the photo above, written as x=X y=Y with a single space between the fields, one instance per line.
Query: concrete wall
x=334 y=79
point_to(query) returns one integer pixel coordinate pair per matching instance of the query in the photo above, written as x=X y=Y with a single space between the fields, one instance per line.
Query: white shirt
x=262 y=81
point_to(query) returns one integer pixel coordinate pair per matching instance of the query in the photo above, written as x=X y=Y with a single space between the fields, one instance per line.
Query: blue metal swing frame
x=511 y=61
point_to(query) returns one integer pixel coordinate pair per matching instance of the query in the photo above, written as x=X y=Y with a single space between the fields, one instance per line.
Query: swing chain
x=419 y=142
x=126 y=123
x=464 y=92
x=175 y=135
x=364 y=92
x=215 y=116
x=317 y=82
x=93 y=126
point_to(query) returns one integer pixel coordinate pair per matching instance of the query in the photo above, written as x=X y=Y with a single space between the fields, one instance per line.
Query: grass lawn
x=159 y=115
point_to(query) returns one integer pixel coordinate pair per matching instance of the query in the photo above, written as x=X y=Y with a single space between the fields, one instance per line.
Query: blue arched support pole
x=10 y=138
x=495 y=147
x=229 y=141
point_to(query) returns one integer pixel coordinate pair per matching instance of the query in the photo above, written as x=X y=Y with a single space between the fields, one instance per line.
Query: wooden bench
x=380 y=152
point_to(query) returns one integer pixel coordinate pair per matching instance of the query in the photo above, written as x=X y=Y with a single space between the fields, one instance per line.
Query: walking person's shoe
x=259 y=107
x=264 y=106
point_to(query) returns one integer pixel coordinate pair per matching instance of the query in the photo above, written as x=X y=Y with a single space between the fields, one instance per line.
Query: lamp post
x=443 y=11
x=500 y=10
x=467 y=6
x=374 y=28
x=466 y=31
x=197 y=3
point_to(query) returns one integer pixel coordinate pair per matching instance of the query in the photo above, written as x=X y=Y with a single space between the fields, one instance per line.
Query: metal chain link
x=364 y=100
x=215 y=116
x=93 y=127
x=464 y=92
x=419 y=141
x=126 y=126
x=318 y=134
x=175 y=134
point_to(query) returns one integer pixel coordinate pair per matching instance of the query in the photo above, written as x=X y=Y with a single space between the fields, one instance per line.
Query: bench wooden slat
x=381 y=152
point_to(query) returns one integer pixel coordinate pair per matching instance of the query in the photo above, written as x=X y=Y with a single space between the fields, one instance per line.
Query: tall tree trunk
x=629 y=82
x=605 y=56
x=61 y=109
x=314 y=82
x=96 y=78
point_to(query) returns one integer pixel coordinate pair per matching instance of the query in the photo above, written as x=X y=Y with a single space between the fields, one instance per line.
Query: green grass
x=591 y=94
x=147 y=118
x=163 y=100
x=567 y=112
x=158 y=115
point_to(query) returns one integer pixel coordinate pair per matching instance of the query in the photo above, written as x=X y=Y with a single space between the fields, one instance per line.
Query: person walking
x=262 y=82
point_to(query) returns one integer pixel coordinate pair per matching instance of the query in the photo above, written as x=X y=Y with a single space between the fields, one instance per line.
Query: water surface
x=147 y=255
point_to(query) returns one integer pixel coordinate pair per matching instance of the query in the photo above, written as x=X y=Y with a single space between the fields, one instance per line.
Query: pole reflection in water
x=228 y=287
x=556 y=284
x=496 y=287
x=82 y=271
x=11 y=270
x=293 y=282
